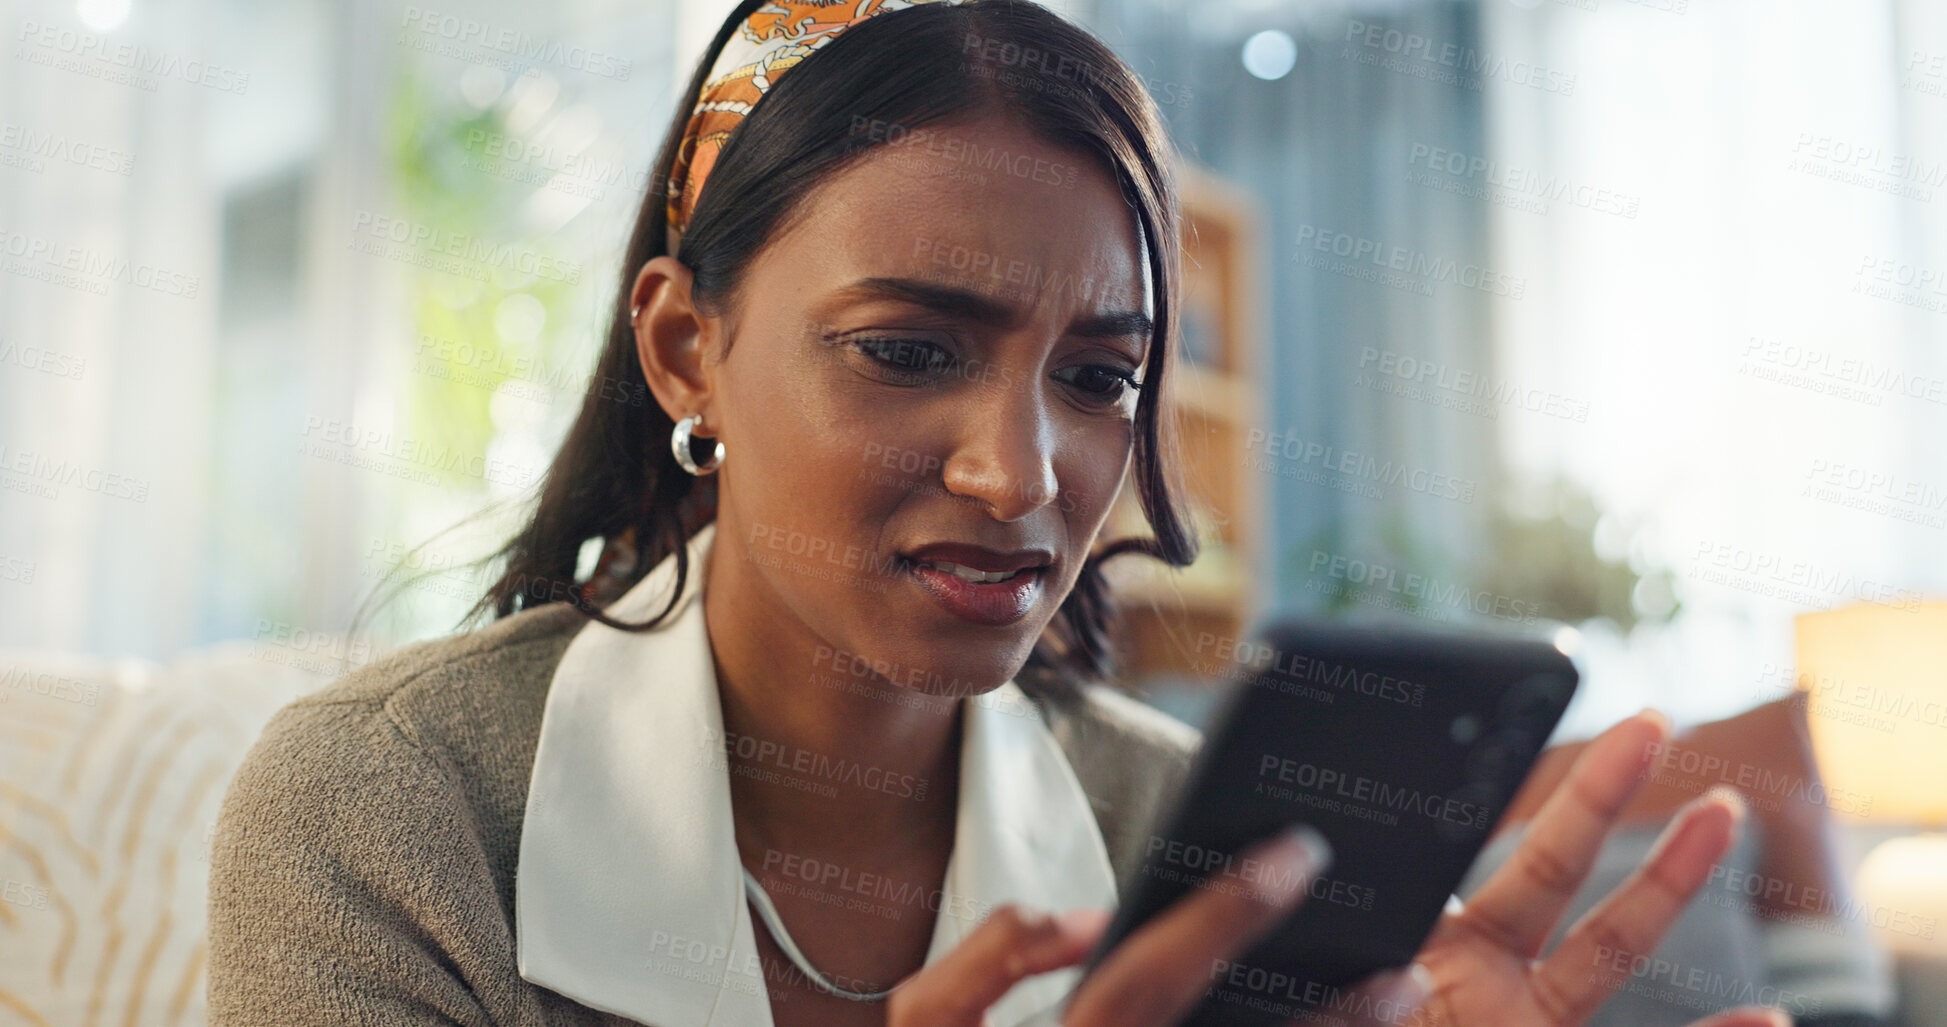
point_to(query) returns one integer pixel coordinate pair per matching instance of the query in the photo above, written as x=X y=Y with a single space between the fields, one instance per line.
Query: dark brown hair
x=615 y=480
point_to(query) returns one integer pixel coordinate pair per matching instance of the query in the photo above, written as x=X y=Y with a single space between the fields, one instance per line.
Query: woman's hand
x=1478 y=969
x=1483 y=955
x=1154 y=977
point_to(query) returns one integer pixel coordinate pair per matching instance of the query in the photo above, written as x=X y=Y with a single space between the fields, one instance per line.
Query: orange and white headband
x=770 y=42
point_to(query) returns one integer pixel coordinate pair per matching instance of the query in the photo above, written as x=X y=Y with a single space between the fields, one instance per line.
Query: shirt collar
x=629 y=893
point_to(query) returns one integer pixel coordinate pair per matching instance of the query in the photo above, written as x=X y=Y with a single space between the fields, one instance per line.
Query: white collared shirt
x=629 y=896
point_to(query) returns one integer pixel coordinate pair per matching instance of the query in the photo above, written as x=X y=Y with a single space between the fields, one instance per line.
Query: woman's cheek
x=1090 y=470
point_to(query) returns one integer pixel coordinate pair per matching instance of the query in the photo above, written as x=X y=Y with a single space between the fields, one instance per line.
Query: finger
x=1161 y=970
x=1011 y=944
x=1390 y=999
x=1520 y=905
x=1748 y=1016
x=1598 y=953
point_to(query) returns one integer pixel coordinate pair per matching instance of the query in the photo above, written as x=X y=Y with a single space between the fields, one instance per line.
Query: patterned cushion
x=111 y=774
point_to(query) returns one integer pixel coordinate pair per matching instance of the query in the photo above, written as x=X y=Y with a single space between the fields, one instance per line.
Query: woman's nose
x=1003 y=452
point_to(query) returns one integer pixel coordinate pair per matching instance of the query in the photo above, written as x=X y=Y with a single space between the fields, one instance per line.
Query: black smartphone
x=1401 y=745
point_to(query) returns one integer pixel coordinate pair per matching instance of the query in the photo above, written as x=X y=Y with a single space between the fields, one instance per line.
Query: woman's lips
x=995 y=604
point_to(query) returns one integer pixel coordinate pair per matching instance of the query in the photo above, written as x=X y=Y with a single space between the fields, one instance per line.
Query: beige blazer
x=367 y=866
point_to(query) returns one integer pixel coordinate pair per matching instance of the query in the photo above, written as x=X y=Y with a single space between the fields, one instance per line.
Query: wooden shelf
x=1214 y=404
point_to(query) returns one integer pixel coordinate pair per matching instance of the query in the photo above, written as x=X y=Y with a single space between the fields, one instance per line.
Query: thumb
x=1013 y=943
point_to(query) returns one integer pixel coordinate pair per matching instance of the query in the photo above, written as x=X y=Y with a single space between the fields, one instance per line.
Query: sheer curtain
x=1725 y=219
x=194 y=347
x=107 y=321
x=1360 y=266
x=1761 y=344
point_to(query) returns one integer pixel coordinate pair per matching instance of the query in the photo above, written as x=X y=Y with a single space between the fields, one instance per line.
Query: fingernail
x=1082 y=920
x=1316 y=851
x=1306 y=852
x=1659 y=717
x=1729 y=795
x=1401 y=993
x=1415 y=986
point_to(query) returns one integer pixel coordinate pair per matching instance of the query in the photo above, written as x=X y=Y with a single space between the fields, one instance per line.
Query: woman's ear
x=670 y=338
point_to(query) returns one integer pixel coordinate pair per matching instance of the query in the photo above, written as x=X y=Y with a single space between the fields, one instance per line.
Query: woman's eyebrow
x=972 y=305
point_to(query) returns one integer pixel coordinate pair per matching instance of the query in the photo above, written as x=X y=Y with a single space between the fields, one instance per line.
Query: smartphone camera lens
x=1497 y=758
x=1533 y=701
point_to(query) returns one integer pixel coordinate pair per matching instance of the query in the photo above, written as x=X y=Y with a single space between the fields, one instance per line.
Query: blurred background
x=1629 y=315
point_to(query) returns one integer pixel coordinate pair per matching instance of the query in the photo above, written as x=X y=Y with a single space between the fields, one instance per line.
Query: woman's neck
x=823 y=763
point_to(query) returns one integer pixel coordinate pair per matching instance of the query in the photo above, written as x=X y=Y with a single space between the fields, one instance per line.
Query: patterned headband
x=770 y=42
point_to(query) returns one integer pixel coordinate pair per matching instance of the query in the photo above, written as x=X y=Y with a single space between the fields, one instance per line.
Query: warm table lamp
x=1875 y=678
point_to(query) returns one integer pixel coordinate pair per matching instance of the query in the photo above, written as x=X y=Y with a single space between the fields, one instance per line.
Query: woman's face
x=932 y=365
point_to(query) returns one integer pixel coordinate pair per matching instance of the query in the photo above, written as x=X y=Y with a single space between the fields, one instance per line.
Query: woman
x=925 y=308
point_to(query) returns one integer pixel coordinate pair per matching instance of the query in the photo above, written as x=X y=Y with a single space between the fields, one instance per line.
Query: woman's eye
x=915 y=360
x=1100 y=382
